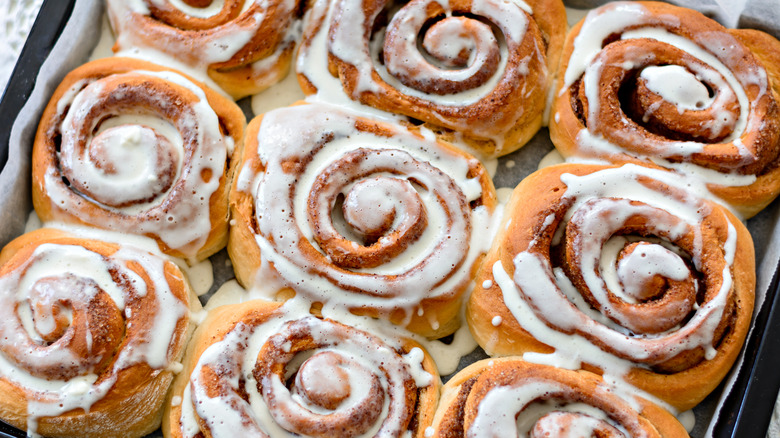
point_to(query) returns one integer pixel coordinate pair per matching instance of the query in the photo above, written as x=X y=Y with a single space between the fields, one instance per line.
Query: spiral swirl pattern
x=127 y=146
x=267 y=373
x=244 y=46
x=358 y=213
x=622 y=269
x=510 y=397
x=656 y=83
x=479 y=68
x=87 y=325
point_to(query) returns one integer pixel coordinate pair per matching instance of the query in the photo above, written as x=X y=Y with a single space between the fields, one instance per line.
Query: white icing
x=504 y=193
x=235 y=355
x=216 y=46
x=737 y=84
x=230 y=292
x=33 y=222
x=537 y=293
x=422 y=266
x=181 y=225
x=213 y=8
x=550 y=159
x=497 y=412
x=717 y=55
x=414 y=62
x=687 y=419
x=366 y=82
x=447 y=357
x=283 y=94
x=150 y=346
x=129 y=146
x=105 y=41
x=675 y=84
x=338 y=31
x=200 y=275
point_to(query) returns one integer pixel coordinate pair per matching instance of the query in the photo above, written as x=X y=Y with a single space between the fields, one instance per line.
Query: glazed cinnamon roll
x=477 y=69
x=91 y=333
x=359 y=214
x=244 y=46
x=128 y=146
x=652 y=82
x=511 y=397
x=257 y=369
x=620 y=269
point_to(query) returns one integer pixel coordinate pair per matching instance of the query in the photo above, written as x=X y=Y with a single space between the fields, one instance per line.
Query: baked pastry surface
x=511 y=397
x=655 y=83
x=356 y=213
x=259 y=369
x=476 y=71
x=620 y=269
x=130 y=146
x=90 y=335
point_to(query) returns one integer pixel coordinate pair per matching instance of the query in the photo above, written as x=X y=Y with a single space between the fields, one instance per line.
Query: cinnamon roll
x=651 y=82
x=620 y=269
x=244 y=46
x=360 y=214
x=129 y=146
x=472 y=69
x=258 y=369
x=91 y=333
x=511 y=397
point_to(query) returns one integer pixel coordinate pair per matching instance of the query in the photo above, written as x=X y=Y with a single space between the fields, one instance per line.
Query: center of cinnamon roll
x=453 y=41
x=51 y=315
x=338 y=407
x=677 y=85
x=128 y=156
x=571 y=425
x=373 y=207
x=64 y=315
x=643 y=269
x=438 y=55
x=322 y=380
x=384 y=211
x=625 y=280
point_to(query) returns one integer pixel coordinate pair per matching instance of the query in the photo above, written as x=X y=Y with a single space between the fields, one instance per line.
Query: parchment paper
x=81 y=35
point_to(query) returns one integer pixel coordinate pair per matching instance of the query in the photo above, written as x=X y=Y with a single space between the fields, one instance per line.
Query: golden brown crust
x=82 y=210
x=217 y=324
x=226 y=319
x=683 y=380
x=462 y=394
x=438 y=315
x=244 y=253
x=501 y=121
x=134 y=402
x=258 y=63
x=641 y=129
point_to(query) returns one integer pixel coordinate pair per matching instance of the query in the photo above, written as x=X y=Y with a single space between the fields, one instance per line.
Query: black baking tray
x=45 y=31
x=747 y=409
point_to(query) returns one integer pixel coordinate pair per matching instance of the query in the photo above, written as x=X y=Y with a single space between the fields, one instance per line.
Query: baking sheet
x=83 y=31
